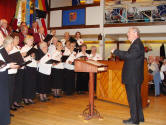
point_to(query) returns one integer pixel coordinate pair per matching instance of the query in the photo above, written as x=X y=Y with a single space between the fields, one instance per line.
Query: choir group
x=47 y=66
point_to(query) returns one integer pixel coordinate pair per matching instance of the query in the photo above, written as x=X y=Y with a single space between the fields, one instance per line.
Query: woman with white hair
x=94 y=55
x=44 y=72
x=30 y=75
x=69 y=81
x=82 y=77
x=66 y=38
x=4 y=85
x=19 y=76
x=57 y=75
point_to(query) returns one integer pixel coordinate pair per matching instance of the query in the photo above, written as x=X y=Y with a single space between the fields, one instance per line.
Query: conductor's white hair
x=136 y=30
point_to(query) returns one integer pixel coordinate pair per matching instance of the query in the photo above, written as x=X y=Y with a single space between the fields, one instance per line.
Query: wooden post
x=91 y=93
x=118 y=45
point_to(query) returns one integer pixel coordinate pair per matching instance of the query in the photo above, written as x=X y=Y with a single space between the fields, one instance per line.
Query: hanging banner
x=23 y=16
x=28 y=13
x=19 y=15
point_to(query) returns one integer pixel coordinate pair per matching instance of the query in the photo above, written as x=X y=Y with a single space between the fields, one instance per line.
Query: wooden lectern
x=91 y=67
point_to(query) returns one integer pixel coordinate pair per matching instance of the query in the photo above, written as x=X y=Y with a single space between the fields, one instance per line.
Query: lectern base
x=87 y=114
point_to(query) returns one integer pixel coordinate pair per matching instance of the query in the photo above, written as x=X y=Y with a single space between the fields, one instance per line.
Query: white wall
x=93 y=15
x=156 y=32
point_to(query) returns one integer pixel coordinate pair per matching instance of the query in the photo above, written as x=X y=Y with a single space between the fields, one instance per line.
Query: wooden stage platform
x=66 y=111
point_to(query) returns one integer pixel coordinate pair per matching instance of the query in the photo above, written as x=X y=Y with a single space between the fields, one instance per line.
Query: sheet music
x=94 y=63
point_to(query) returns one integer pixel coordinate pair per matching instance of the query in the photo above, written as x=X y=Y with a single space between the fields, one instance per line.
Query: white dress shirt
x=5 y=31
x=42 y=37
x=1 y=36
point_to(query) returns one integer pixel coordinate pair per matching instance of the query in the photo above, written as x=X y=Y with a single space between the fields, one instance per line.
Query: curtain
x=7 y=9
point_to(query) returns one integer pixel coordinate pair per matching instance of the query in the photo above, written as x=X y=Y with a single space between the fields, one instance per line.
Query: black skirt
x=4 y=99
x=69 y=81
x=57 y=78
x=82 y=81
x=30 y=79
x=11 y=82
x=18 y=91
x=44 y=86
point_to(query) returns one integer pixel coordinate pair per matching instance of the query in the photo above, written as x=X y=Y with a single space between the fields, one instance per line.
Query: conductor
x=133 y=75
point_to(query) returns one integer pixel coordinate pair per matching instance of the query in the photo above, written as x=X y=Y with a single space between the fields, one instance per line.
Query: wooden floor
x=67 y=110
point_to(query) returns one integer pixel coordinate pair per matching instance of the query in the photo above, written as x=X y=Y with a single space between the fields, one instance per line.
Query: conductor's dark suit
x=133 y=76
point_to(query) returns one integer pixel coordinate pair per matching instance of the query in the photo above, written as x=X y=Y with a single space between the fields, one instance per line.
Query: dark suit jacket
x=31 y=31
x=162 y=51
x=37 y=38
x=133 y=68
x=4 y=35
x=21 y=39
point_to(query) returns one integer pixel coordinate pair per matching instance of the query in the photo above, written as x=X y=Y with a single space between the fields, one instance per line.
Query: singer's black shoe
x=13 y=109
x=130 y=122
x=11 y=115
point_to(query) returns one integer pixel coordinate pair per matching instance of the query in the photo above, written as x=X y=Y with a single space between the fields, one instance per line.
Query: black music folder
x=62 y=51
x=25 y=63
x=32 y=50
x=2 y=64
x=88 y=51
x=64 y=58
x=48 y=38
x=17 y=58
x=51 y=61
x=76 y=50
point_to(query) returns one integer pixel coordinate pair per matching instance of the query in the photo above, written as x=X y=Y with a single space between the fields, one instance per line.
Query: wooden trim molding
x=73 y=27
x=75 y=7
x=127 y=42
x=135 y=24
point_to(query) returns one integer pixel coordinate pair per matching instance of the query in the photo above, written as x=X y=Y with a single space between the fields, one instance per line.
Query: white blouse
x=52 y=49
x=43 y=67
x=71 y=58
x=63 y=41
x=33 y=64
x=96 y=57
x=80 y=42
x=57 y=56
x=14 y=50
x=80 y=54
x=66 y=52
x=25 y=48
